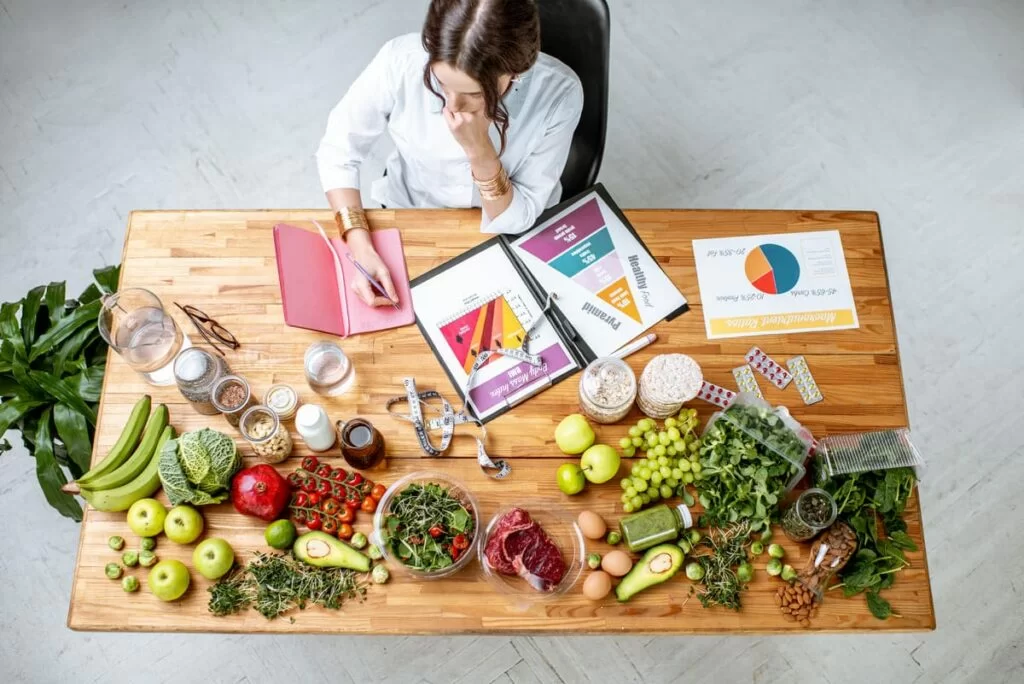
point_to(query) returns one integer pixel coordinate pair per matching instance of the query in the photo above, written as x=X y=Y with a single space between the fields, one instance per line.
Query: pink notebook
x=314 y=284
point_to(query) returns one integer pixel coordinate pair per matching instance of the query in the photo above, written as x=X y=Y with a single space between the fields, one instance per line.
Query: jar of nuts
x=263 y=430
x=607 y=390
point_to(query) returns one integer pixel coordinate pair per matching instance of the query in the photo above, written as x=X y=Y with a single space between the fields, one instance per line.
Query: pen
x=635 y=346
x=376 y=286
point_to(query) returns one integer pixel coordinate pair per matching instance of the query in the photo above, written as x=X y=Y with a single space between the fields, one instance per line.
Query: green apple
x=183 y=525
x=570 y=478
x=168 y=580
x=600 y=463
x=574 y=434
x=146 y=517
x=213 y=558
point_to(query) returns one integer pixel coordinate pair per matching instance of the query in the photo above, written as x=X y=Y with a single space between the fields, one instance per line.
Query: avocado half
x=324 y=551
x=659 y=564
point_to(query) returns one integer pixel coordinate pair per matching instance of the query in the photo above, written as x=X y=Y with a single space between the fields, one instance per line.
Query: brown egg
x=592 y=525
x=597 y=585
x=616 y=563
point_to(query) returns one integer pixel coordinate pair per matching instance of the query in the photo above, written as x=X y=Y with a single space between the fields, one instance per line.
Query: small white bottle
x=313 y=425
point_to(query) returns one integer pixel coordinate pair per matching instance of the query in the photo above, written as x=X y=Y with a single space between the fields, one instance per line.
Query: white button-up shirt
x=429 y=168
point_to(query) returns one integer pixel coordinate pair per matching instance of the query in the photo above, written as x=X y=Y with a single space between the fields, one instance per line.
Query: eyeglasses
x=216 y=330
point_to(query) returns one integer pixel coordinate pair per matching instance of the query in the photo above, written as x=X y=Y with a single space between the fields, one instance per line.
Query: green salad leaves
x=872 y=503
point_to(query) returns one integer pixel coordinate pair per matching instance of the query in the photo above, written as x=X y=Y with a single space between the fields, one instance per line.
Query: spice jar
x=232 y=396
x=667 y=382
x=283 y=400
x=263 y=430
x=812 y=512
x=607 y=390
x=655 y=525
x=195 y=372
x=315 y=428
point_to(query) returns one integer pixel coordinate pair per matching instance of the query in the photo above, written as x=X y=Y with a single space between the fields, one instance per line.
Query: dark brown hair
x=483 y=39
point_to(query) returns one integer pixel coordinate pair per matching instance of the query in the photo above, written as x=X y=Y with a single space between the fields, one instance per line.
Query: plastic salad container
x=423 y=548
x=563 y=531
x=792 y=444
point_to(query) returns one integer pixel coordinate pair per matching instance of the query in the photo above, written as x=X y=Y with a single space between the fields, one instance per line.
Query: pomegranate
x=260 y=491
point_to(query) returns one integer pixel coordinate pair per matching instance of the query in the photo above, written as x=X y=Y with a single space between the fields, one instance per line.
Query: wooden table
x=223 y=263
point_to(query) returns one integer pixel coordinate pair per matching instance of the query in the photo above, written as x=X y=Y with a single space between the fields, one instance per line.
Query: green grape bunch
x=671 y=460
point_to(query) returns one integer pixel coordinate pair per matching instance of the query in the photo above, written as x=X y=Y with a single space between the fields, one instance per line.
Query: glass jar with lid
x=654 y=525
x=607 y=390
x=264 y=431
x=813 y=511
x=283 y=400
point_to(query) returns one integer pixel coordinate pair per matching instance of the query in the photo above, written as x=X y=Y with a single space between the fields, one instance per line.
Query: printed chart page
x=767 y=284
x=482 y=304
x=608 y=285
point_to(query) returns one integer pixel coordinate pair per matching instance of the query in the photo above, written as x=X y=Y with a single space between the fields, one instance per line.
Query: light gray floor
x=913 y=108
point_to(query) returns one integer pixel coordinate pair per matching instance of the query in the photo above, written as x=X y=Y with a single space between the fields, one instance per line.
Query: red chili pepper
x=313 y=499
x=310 y=463
x=461 y=542
x=436 y=531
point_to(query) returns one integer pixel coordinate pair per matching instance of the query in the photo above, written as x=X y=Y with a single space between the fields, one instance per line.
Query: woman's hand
x=362 y=251
x=470 y=130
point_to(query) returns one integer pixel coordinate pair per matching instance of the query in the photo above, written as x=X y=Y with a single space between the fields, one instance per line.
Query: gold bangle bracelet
x=496 y=187
x=350 y=218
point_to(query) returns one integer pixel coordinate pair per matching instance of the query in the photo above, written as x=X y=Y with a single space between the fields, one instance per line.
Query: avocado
x=658 y=564
x=324 y=551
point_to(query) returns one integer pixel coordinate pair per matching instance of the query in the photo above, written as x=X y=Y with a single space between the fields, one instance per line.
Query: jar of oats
x=607 y=390
x=268 y=437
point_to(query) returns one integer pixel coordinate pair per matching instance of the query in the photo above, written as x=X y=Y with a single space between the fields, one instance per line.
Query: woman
x=478 y=116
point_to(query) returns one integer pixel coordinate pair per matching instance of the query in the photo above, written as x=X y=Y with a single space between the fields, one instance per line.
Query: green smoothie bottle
x=655 y=525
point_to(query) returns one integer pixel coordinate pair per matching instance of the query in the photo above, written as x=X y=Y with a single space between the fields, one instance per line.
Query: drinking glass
x=328 y=371
x=133 y=322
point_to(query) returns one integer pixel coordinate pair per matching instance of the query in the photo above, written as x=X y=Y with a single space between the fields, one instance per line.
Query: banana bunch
x=129 y=472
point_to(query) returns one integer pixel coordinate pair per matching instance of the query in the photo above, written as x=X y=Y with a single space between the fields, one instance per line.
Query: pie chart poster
x=770 y=284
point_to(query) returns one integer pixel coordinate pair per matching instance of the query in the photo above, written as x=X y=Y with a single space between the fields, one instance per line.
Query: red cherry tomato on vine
x=369 y=505
x=378 y=491
x=346 y=515
x=345 y=531
x=330 y=526
x=314 y=522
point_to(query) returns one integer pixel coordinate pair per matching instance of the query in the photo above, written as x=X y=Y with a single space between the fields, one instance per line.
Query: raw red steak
x=519 y=546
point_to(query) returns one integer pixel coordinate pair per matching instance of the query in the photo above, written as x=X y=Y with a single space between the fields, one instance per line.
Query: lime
x=280 y=534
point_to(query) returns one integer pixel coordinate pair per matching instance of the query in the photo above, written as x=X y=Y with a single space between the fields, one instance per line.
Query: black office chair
x=576 y=32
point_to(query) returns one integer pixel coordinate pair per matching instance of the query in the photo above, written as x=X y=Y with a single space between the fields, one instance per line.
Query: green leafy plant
x=52 y=360
x=197 y=467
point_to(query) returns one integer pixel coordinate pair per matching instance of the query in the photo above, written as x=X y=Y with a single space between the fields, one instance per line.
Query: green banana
x=128 y=470
x=144 y=484
x=126 y=443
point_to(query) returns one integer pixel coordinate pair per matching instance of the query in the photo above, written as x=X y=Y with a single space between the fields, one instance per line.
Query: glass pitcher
x=133 y=322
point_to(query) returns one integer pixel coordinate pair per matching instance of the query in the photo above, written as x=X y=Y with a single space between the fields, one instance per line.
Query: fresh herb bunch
x=721 y=551
x=52 y=360
x=742 y=478
x=427 y=527
x=872 y=503
x=274 y=584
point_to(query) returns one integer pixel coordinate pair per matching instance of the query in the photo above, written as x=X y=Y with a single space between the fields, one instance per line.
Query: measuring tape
x=450 y=418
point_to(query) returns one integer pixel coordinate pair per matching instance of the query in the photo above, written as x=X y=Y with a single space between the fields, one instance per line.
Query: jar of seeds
x=813 y=511
x=196 y=371
x=263 y=430
x=232 y=396
x=607 y=390
x=667 y=382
